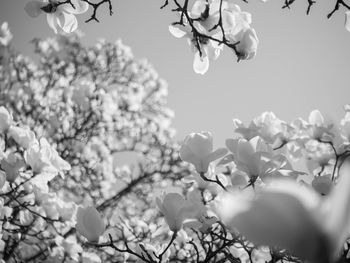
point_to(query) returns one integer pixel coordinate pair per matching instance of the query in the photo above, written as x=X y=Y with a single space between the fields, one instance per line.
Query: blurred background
x=303 y=61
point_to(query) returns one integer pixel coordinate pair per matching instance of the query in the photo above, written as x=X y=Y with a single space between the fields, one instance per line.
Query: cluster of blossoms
x=208 y=25
x=264 y=198
x=212 y=24
x=277 y=192
x=96 y=105
x=32 y=217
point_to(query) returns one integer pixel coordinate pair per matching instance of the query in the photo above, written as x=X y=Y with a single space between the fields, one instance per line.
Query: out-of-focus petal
x=280 y=219
x=218 y=153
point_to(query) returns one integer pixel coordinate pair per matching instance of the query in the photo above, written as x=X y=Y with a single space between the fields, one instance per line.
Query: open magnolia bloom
x=59 y=16
x=291 y=216
x=197 y=149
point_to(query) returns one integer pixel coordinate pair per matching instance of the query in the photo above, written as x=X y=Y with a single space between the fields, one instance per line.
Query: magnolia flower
x=197 y=149
x=5 y=34
x=58 y=15
x=318 y=129
x=42 y=157
x=90 y=224
x=204 y=50
x=248 y=133
x=206 y=16
x=176 y=209
x=250 y=159
x=293 y=217
x=5 y=118
x=248 y=44
x=22 y=136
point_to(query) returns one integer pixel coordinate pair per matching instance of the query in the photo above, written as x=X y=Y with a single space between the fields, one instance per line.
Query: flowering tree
x=90 y=104
x=277 y=192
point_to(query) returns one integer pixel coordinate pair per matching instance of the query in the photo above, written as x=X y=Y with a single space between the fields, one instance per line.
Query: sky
x=302 y=63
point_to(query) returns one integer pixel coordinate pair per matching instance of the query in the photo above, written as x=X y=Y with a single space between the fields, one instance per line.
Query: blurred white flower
x=90 y=224
x=289 y=215
x=5 y=34
x=322 y=184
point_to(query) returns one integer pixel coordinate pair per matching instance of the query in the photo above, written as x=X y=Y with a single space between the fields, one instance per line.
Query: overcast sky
x=303 y=62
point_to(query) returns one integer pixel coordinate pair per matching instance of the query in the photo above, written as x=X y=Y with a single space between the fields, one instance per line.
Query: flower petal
x=200 y=64
x=68 y=22
x=79 y=7
x=52 y=21
x=280 y=219
x=347 y=20
x=216 y=154
x=316 y=118
x=176 y=31
x=198 y=8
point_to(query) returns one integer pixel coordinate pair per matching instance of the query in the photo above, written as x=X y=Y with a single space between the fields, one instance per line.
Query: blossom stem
x=168 y=246
x=213 y=181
